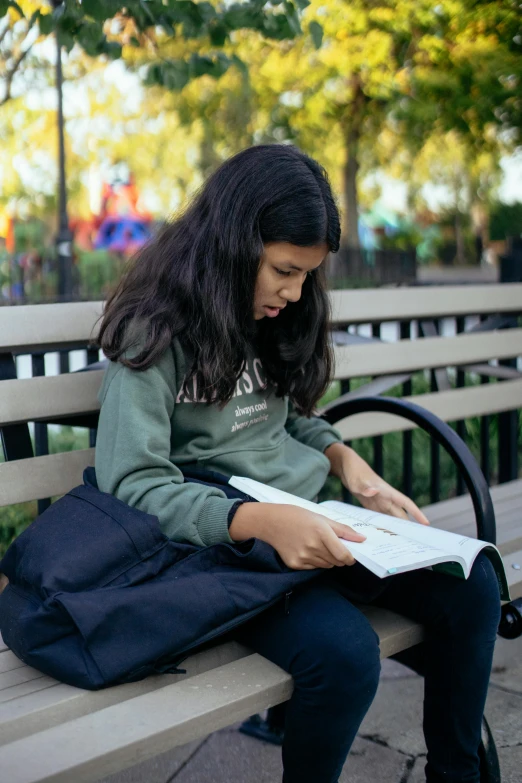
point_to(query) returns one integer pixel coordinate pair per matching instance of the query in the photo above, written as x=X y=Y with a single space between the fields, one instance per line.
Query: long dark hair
x=195 y=280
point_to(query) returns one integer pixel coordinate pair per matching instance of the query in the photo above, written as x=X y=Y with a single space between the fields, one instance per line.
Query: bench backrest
x=39 y=328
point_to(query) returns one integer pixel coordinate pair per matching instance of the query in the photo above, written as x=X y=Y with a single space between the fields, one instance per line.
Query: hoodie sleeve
x=313 y=431
x=133 y=455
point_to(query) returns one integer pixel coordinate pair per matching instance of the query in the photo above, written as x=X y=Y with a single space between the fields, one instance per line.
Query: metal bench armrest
x=443 y=434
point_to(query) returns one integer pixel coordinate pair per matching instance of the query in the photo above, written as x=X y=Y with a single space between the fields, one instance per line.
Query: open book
x=392 y=545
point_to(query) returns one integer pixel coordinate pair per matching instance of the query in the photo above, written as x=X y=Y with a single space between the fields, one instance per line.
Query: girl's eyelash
x=284 y=273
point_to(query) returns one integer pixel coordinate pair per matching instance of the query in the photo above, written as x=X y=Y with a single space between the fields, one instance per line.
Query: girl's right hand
x=303 y=539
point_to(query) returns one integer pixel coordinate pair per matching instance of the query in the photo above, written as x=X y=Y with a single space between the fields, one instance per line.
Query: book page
x=266 y=494
x=384 y=552
x=451 y=543
x=391 y=552
x=458 y=549
x=392 y=545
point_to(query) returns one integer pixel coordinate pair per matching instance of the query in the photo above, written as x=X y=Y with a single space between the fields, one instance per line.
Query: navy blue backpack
x=98 y=595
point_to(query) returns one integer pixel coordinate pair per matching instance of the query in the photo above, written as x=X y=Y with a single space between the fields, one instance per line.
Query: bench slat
x=507 y=500
x=448 y=406
x=514 y=576
x=56 y=396
x=9 y=661
x=88 y=748
x=352 y=361
x=35 y=327
x=499 y=494
x=53 y=397
x=60 y=703
x=56 y=474
x=505 y=509
x=384 y=304
x=41 y=477
x=15 y=691
x=16 y=676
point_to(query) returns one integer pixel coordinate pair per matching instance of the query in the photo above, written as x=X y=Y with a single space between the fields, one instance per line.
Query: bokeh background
x=414 y=108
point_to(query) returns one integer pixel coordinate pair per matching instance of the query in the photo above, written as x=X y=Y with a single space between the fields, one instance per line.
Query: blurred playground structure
x=102 y=244
x=121 y=225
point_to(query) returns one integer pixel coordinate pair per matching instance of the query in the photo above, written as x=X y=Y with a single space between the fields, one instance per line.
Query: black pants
x=331 y=651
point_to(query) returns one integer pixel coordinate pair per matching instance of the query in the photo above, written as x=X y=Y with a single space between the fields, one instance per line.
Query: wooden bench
x=54 y=732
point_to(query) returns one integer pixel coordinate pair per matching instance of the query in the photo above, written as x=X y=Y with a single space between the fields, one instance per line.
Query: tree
x=18 y=33
x=336 y=100
x=469 y=175
x=101 y=27
x=470 y=79
x=455 y=66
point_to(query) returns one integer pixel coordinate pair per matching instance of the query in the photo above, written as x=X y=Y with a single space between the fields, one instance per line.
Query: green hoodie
x=148 y=427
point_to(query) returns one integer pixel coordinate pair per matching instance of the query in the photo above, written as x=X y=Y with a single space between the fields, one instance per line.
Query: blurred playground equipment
x=122 y=225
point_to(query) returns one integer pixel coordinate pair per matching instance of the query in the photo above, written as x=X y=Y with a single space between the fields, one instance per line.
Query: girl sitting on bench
x=218 y=336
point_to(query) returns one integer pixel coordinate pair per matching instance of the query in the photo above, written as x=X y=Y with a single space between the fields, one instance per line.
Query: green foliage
x=13 y=520
x=84 y=23
x=175 y=74
x=5 y=5
x=65 y=438
x=468 y=73
x=98 y=271
x=30 y=235
x=505 y=220
x=317 y=33
x=404 y=238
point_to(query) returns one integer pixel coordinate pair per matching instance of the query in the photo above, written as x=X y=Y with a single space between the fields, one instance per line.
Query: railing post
x=41 y=433
x=15 y=438
x=510 y=272
x=407 y=435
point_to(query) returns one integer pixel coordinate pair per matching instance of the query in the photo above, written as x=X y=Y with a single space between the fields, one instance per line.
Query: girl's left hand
x=369 y=488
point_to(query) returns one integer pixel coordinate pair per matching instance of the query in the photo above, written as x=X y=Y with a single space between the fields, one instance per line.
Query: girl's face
x=282 y=272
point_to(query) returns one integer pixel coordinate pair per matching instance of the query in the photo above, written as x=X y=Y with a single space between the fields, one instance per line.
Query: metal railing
x=377 y=267
x=495 y=439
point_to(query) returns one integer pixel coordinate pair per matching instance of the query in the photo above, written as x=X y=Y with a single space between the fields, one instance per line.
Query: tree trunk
x=355 y=113
x=208 y=159
x=459 y=239
x=480 y=220
x=351 y=209
x=459 y=234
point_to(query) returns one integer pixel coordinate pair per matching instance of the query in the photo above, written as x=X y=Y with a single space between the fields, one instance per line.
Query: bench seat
x=94 y=734
x=456 y=515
